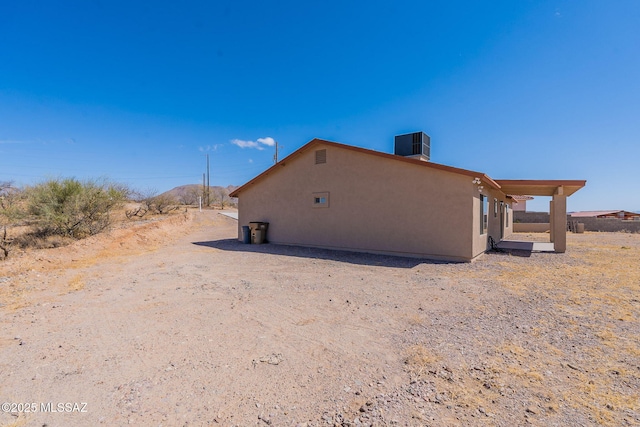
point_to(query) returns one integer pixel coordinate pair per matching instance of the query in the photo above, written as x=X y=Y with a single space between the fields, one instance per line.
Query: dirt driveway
x=175 y=323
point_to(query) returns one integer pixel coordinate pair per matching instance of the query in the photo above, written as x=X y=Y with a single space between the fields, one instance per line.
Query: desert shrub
x=162 y=204
x=153 y=203
x=222 y=199
x=71 y=208
x=11 y=212
x=190 y=195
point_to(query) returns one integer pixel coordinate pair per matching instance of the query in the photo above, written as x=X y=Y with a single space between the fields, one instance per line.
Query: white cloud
x=267 y=141
x=250 y=160
x=257 y=144
x=246 y=144
x=9 y=141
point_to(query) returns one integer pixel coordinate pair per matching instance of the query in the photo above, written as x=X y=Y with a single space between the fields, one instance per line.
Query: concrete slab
x=526 y=246
x=230 y=214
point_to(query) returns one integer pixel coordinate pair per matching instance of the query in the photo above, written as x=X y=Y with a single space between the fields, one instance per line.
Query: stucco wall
x=531 y=227
x=478 y=240
x=532 y=217
x=608 y=224
x=495 y=221
x=590 y=224
x=375 y=205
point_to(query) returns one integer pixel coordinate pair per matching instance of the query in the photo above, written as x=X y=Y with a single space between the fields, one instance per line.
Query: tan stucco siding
x=479 y=240
x=375 y=204
x=494 y=220
x=509 y=222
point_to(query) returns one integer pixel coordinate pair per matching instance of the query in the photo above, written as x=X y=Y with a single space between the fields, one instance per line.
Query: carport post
x=559 y=221
x=551 y=221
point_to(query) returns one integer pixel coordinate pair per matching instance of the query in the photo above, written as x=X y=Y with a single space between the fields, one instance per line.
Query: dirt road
x=176 y=323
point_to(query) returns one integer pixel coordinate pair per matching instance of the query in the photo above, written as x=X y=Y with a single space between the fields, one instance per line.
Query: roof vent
x=416 y=145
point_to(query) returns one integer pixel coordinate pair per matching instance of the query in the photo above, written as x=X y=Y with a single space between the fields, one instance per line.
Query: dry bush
x=36 y=240
x=149 y=202
x=71 y=208
x=419 y=360
x=55 y=212
x=11 y=212
x=221 y=197
x=190 y=196
x=162 y=204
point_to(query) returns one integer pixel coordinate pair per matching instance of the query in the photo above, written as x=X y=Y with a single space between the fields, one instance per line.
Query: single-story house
x=337 y=196
x=607 y=214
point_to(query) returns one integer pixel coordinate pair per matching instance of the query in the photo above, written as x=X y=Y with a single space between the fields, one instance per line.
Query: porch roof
x=536 y=187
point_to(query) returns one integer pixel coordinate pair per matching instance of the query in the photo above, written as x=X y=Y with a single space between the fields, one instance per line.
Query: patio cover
x=559 y=190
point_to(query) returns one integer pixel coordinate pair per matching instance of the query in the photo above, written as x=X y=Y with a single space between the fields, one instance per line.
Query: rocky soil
x=175 y=323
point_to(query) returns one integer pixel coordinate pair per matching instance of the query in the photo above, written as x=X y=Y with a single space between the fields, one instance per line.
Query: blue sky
x=140 y=91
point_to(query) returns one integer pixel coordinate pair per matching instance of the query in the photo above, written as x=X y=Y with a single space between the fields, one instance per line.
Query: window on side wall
x=484 y=213
x=320 y=200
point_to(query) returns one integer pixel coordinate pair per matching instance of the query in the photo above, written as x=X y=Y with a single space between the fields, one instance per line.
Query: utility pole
x=208 y=183
x=275 y=156
x=204 y=191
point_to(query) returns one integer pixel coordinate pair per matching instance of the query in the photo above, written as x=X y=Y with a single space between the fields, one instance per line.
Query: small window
x=321 y=156
x=321 y=200
x=506 y=215
x=495 y=208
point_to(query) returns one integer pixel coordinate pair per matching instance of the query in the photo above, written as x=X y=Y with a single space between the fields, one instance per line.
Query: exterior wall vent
x=417 y=145
x=321 y=156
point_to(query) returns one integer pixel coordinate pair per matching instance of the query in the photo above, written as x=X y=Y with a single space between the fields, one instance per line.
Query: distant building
x=520 y=203
x=607 y=214
x=337 y=196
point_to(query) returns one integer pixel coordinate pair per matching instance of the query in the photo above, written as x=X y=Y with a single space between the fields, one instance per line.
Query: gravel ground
x=175 y=323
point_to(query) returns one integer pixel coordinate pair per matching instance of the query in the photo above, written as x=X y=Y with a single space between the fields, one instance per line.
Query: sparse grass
x=596 y=284
x=519 y=371
x=415 y=320
x=420 y=359
x=77 y=283
x=599 y=398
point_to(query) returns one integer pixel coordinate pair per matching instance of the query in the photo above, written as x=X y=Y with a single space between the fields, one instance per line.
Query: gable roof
x=314 y=142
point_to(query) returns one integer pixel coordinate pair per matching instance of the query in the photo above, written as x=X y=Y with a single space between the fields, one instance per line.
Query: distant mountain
x=189 y=194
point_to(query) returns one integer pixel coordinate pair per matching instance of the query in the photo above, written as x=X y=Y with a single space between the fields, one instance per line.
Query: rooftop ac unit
x=417 y=145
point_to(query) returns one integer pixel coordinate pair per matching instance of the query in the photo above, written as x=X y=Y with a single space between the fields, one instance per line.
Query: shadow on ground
x=510 y=252
x=318 y=253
